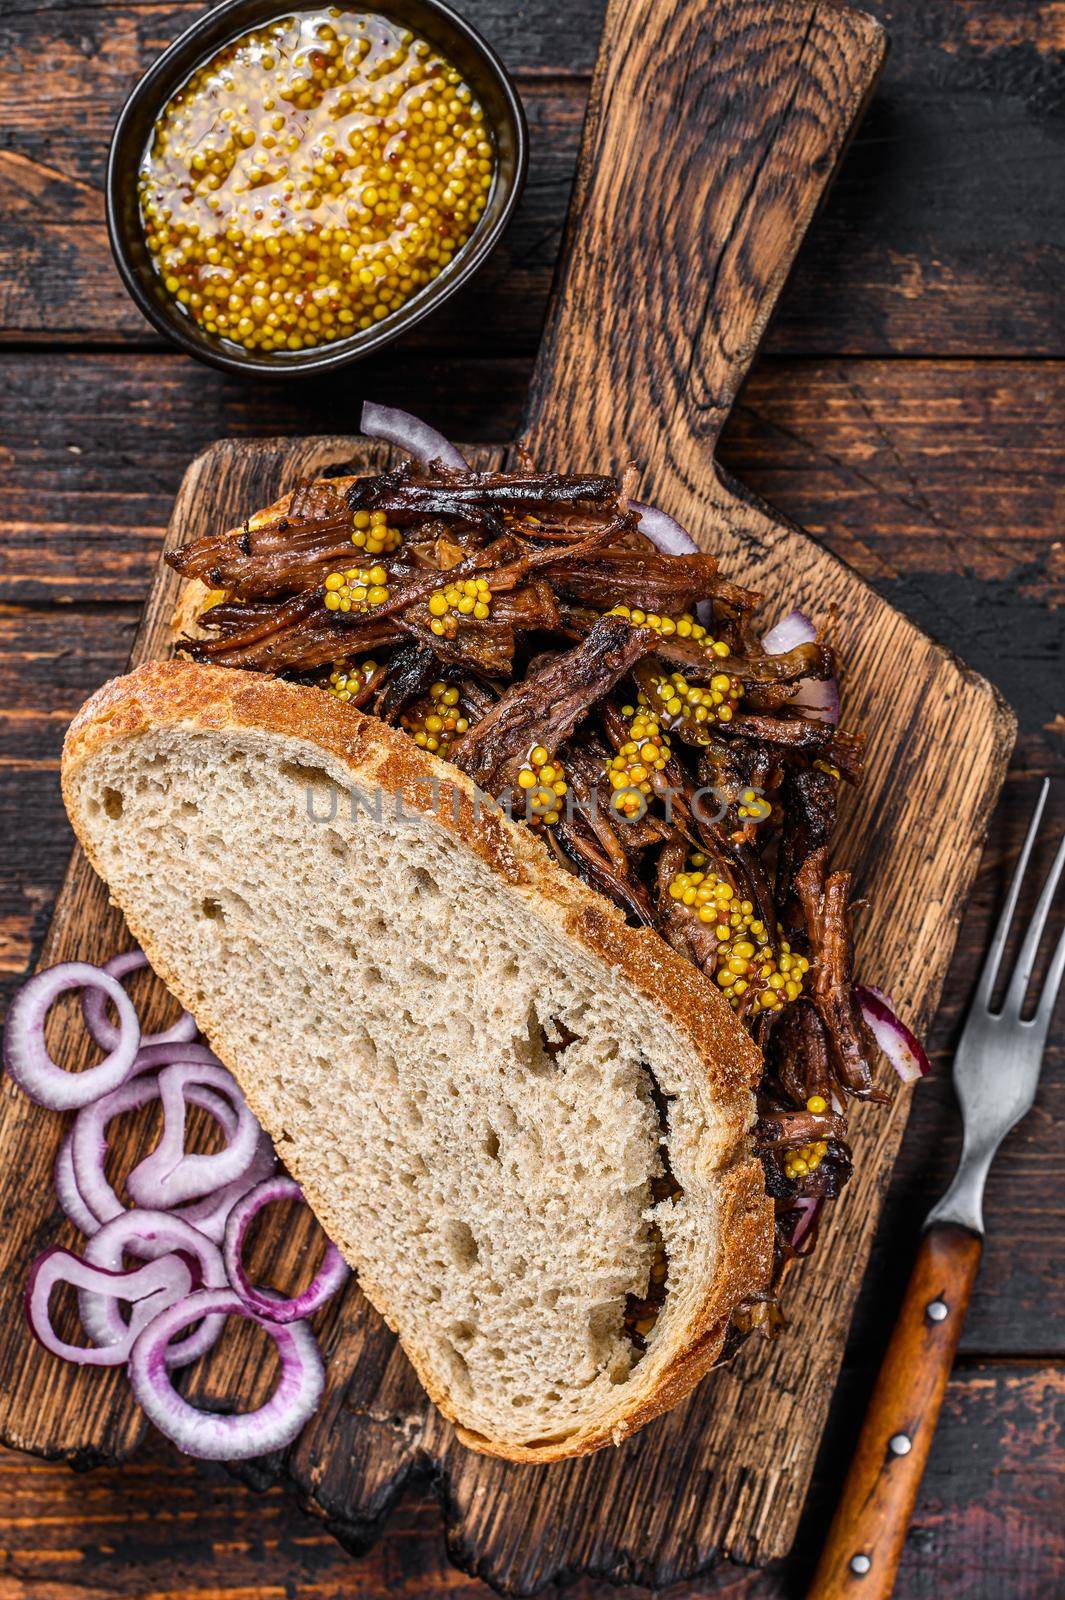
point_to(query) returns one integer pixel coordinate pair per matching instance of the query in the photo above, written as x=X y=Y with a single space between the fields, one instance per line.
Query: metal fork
x=996 y=1070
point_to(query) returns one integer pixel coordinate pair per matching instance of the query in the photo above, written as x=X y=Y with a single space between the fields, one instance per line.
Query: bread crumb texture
x=475 y=1100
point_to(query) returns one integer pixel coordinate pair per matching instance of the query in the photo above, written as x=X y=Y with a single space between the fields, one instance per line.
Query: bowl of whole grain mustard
x=288 y=191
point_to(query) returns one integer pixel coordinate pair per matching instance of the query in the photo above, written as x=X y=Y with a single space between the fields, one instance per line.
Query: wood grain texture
x=782 y=119
x=943 y=483
x=945 y=234
x=880 y=1492
x=807 y=433
x=161 y=1526
x=376 y=1428
x=723 y=1473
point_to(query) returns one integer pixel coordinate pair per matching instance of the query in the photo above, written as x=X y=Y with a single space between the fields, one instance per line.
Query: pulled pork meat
x=619 y=700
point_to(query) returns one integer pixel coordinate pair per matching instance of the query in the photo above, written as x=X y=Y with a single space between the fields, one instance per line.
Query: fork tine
x=990 y=968
x=1055 y=973
x=1018 y=988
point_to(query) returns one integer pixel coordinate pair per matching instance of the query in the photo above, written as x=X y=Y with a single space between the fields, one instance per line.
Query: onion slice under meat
x=902 y=1048
x=99 y=1024
x=171 y=1277
x=26 y=1053
x=809 y=1209
x=819 y=697
x=207 y=1435
x=149 y=1234
x=664 y=533
x=331 y=1275
x=667 y=535
x=411 y=434
x=171 y=1174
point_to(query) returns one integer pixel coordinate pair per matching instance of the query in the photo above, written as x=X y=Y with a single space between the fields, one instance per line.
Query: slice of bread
x=474 y=1067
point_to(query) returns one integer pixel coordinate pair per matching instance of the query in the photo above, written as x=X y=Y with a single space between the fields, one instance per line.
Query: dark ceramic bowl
x=453 y=36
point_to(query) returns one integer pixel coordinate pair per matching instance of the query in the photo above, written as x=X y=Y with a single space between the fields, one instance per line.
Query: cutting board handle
x=713 y=130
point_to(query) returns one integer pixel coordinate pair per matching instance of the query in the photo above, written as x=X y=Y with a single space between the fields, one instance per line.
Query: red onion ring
x=209 y=1215
x=412 y=435
x=154 y=1056
x=170 y=1174
x=26 y=1054
x=67 y=1192
x=149 y=1234
x=99 y=1024
x=205 y=1434
x=331 y=1275
x=667 y=535
x=820 y=697
x=902 y=1048
x=664 y=533
x=809 y=1209
x=89 y=1142
x=170 y=1276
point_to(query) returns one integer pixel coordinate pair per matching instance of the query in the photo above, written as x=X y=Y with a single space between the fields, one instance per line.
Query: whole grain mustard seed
x=744 y=966
x=542 y=782
x=311 y=178
x=452 y=602
x=436 y=721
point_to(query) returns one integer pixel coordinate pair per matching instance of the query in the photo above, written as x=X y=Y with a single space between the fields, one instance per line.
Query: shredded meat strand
x=744 y=798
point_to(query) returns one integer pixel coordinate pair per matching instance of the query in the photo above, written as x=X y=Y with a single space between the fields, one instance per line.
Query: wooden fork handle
x=861 y=1556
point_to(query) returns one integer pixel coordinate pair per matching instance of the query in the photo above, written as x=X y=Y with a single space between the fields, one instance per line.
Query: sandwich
x=485 y=833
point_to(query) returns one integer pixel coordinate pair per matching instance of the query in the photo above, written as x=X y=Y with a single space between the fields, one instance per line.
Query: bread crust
x=180 y=693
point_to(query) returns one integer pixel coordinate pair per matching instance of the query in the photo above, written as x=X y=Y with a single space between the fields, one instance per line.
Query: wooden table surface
x=907 y=410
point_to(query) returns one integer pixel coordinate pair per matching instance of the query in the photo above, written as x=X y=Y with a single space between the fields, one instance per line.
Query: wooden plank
x=751 y=1513
x=941 y=482
x=1000 y=633
x=944 y=234
x=165 y=1526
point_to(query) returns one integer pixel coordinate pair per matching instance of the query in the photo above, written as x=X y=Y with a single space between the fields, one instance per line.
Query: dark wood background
x=908 y=410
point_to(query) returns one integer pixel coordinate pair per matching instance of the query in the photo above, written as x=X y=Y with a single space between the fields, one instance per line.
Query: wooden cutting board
x=713 y=132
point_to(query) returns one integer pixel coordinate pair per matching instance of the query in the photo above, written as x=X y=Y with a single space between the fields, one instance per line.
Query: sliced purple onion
x=209 y=1215
x=412 y=435
x=331 y=1275
x=154 y=1056
x=171 y=1174
x=99 y=1024
x=89 y=1141
x=149 y=1234
x=664 y=533
x=819 y=697
x=794 y=629
x=902 y=1048
x=667 y=535
x=67 y=1192
x=160 y=1283
x=207 y=1435
x=809 y=1209
x=26 y=1054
